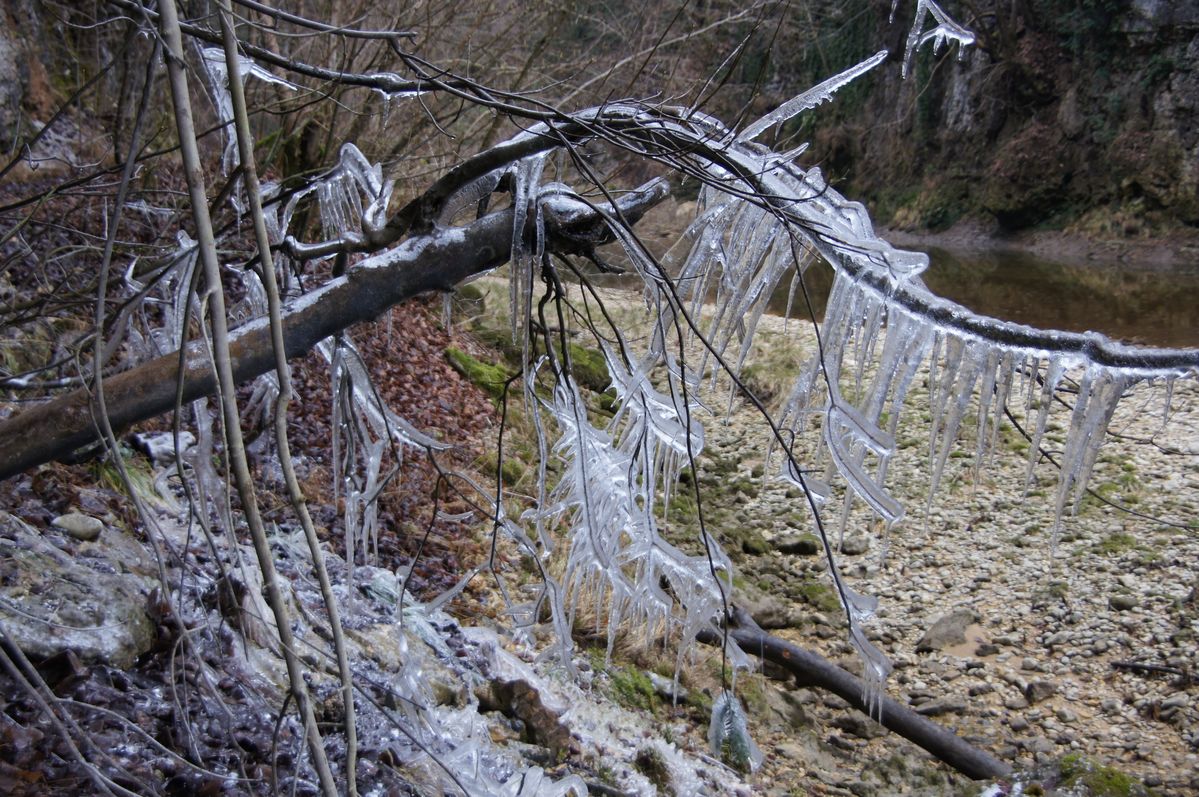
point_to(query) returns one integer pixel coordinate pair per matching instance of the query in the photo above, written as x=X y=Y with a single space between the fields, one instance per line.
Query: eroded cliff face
x=1067 y=114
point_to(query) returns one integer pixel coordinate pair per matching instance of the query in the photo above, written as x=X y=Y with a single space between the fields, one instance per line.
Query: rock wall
x=1065 y=114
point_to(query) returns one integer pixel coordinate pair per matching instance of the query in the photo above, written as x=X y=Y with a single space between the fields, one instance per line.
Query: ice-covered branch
x=426 y=263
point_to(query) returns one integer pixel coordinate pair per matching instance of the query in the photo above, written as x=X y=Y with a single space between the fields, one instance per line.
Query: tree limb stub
x=437 y=261
x=812 y=669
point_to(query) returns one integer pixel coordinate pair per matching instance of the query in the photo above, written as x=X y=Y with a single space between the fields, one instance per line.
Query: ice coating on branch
x=944 y=30
x=364 y=429
x=616 y=553
x=176 y=289
x=821 y=92
x=526 y=253
x=342 y=192
x=217 y=73
x=882 y=326
x=470 y=195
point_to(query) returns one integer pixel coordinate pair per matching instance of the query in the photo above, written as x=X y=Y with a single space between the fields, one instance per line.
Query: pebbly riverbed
x=1033 y=648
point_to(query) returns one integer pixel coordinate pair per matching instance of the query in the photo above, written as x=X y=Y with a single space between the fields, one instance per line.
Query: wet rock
x=1015 y=703
x=1038 y=744
x=53 y=602
x=947 y=630
x=80 y=526
x=787 y=708
x=517 y=691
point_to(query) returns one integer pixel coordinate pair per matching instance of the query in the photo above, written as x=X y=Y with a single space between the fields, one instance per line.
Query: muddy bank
x=1177 y=251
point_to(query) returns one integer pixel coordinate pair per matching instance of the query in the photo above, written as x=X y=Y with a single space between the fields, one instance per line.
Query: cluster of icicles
x=750 y=234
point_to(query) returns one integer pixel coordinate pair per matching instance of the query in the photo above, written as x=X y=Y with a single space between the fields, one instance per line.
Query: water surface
x=1150 y=307
x=1142 y=306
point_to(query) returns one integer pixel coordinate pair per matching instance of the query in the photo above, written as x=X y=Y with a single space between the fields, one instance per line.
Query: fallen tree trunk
x=812 y=669
x=433 y=262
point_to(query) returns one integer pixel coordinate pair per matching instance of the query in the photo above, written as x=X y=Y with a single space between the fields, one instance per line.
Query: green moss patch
x=1098 y=780
x=1116 y=543
x=820 y=596
x=489 y=378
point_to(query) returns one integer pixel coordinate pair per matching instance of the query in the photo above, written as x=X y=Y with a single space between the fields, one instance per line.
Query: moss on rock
x=486 y=376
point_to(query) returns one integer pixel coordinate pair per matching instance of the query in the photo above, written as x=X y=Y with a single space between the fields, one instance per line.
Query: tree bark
x=433 y=262
x=812 y=669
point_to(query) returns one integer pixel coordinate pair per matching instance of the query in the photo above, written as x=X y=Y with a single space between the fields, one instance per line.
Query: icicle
x=955 y=348
x=868 y=336
x=968 y=363
x=1098 y=394
x=912 y=341
x=526 y=176
x=1053 y=374
x=986 y=400
x=934 y=364
x=1003 y=390
x=1030 y=373
x=875 y=670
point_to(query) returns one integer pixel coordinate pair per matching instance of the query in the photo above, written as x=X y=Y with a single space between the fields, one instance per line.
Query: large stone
x=1037 y=691
x=92 y=603
x=944 y=705
x=855 y=544
x=947 y=630
x=1123 y=601
x=771 y=612
x=858 y=725
x=800 y=544
x=79 y=526
x=786 y=707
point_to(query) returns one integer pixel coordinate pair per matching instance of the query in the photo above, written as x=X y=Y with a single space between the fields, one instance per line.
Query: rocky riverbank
x=1030 y=648
x=1074 y=660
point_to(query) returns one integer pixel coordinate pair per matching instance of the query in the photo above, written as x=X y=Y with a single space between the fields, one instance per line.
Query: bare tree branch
x=428 y=263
